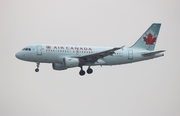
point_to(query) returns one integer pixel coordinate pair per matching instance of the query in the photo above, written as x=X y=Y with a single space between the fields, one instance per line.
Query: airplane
x=63 y=57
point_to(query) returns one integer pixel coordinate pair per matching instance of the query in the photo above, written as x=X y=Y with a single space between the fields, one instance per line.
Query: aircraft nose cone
x=17 y=55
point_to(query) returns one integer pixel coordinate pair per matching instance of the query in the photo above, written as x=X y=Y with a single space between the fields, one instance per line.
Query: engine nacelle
x=58 y=66
x=71 y=62
x=67 y=63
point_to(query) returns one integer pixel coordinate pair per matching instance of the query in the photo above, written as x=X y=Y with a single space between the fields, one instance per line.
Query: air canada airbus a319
x=63 y=57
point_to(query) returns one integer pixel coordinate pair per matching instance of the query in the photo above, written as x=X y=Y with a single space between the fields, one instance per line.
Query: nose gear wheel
x=37 y=69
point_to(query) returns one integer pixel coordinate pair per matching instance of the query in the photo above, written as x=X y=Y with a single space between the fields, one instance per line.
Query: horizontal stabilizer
x=152 y=53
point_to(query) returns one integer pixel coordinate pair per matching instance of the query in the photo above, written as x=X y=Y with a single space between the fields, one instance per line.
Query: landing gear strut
x=81 y=72
x=89 y=70
x=37 y=69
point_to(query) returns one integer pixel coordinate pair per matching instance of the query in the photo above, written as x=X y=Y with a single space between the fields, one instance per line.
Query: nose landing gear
x=37 y=69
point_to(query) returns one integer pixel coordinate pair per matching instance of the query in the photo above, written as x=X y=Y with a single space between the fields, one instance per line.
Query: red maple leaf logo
x=149 y=39
x=48 y=47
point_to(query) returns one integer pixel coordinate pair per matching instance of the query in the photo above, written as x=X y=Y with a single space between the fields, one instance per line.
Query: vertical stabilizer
x=148 y=40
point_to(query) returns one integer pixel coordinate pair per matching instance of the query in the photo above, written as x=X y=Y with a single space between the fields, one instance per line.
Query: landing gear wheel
x=81 y=72
x=89 y=70
x=36 y=70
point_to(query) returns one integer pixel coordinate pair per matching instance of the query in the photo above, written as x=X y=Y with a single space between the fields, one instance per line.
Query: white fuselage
x=63 y=57
x=42 y=54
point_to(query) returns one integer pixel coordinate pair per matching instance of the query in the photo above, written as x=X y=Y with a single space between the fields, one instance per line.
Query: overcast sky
x=148 y=88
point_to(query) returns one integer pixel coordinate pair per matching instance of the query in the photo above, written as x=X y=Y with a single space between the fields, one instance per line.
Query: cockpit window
x=26 y=49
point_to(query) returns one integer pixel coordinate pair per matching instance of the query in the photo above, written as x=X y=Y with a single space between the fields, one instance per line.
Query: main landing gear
x=82 y=72
x=37 y=69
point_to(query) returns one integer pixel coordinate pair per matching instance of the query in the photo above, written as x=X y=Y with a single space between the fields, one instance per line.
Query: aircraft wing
x=91 y=58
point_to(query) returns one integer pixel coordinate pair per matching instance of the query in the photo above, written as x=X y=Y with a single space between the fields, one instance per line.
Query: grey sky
x=148 y=88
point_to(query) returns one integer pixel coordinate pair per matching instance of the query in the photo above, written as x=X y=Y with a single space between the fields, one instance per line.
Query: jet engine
x=67 y=63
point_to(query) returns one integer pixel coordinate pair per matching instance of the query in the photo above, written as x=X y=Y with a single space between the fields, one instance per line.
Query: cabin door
x=130 y=54
x=39 y=50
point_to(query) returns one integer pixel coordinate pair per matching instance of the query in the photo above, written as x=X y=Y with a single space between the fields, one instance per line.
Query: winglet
x=117 y=48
